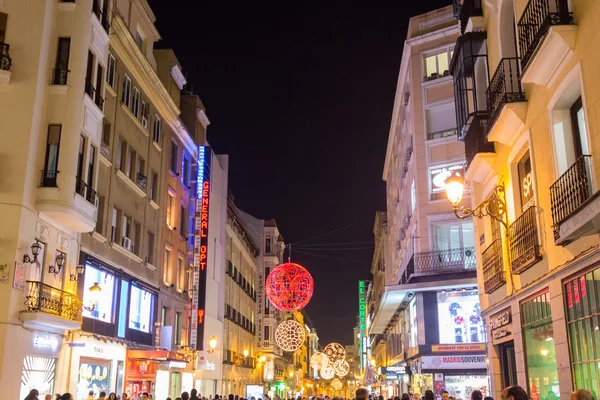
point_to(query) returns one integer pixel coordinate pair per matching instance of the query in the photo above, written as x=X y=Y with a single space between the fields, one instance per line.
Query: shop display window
x=38 y=373
x=582 y=295
x=538 y=333
x=414 y=337
x=459 y=316
x=103 y=310
x=461 y=386
x=140 y=309
x=94 y=374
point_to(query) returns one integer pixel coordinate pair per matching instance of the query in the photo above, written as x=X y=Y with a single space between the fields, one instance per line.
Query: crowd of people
x=510 y=393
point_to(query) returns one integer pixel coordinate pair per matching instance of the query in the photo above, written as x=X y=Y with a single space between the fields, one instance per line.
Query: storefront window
x=38 y=373
x=414 y=337
x=583 y=322
x=461 y=386
x=103 y=309
x=140 y=309
x=536 y=319
x=459 y=316
x=94 y=374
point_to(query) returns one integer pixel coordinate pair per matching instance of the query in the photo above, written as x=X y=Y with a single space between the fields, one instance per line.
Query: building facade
x=526 y=92
x=428 y=312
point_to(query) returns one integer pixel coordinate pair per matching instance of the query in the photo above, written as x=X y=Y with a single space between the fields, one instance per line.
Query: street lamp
x=494 y=206
x=36 y=247
x=73 y=277
x=59 y=261
x=212 y=344
x=245 y=352
x=262 y=359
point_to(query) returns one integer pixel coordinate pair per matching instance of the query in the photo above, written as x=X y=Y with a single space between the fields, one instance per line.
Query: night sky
x=300 y=95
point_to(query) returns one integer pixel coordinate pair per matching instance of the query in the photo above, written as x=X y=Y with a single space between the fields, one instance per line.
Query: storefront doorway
x=38 y=373
x=508 y=363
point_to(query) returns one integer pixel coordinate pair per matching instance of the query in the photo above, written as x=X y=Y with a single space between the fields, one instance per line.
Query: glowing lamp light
x=291 y=374
x=455 y=185
x=246 y=352
x=544 y=352
x=289 y=287
x=263 y=359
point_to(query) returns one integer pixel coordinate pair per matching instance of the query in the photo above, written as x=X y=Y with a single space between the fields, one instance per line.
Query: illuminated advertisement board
x=362 y=321
x=200 y=248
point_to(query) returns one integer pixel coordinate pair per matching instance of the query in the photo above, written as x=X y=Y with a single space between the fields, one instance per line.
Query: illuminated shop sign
x=45 y=342
x=438 y=176
x=453 y=362
x=362 y=321
x=200 y=248
x=500 y=326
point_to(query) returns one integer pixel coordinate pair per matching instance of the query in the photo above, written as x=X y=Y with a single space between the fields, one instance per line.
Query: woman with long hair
x=66 y=396
x=112 y=396
x=33 y=395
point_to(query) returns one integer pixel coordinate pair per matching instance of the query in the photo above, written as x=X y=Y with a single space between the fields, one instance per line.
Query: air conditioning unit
x=144 y=122
x=127 y=244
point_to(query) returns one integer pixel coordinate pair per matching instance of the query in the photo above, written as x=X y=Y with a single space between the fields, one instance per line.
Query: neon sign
x=200 y=248
x=362 y=321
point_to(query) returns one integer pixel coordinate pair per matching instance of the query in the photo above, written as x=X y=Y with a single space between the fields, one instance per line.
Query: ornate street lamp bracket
x=494 y=206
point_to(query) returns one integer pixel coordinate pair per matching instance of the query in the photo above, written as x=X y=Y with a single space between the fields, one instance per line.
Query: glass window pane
x=103 y=309
x=574 y=342
x=430 y=66
x=569 y=299
x=140 y=309
x=443 y=63
x=541 y=360
x=596 y=337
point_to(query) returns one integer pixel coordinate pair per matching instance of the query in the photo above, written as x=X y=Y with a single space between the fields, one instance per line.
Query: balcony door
x=50 y=172
x=451 y=239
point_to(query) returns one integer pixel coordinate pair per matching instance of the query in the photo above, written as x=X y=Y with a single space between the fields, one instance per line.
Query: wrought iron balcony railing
x=46 y=299
x=505 y=87
x=440 y=262
x=536 y=20
x=90 y=90
x=493 y=267
x=105 y=21
x=60 y=76
x=99 y=101
x=5 y=60
x=570 y=191
x=475 y=137
x=141 y=180
x=48 y=178
x=105 y=150
x=466 y=10
x=96 y=9
x=80 y=187
x=524 y=242
x=91 y=196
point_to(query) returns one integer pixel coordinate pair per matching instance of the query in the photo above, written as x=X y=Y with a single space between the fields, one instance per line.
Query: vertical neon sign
x=362 y=322
x=200 y=248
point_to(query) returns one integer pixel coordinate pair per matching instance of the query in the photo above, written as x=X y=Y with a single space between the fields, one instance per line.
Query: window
x=106 y=134
x=440 y=121
x=100 y=219
x=168 y=266
x=121 y=154
x=153 y=186
x=583 y=321
x=156 y=129
x=538 y=333
x=183 y=221
x=185 y=169
x=177 y=329
x=135 y=103
x=164 y=313
x=268 y=245
x=111 y=71
x=99 y=80
x=61 y=68
x=126 y=94
x=267 y=333
x=91 y=166
x=170 y=208
x=127 y=232
x=144 y=114
x=137 y=240
x=173 y=157
x=452 y=235
x=115 y=225
x=130 y=163
x=50 y=172
x=139 y=40
x=150 y=248
x=180 y=274
x=103 y=310
x=80 y=155
x=436 y=65
x=140 y=309
x=459 y=317
x=526 y=189
x=89 y=72
x=413 y=197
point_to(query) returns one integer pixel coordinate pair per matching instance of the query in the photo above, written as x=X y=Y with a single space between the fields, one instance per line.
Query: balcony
x=506 y=102
x=50 y=308
x=90 y=90
x=141 y=180
x=546 y=36
x=574 y=207
x=60 y=76
x=524 y=241
x=426 y=265
x=466 y=11
x=5 y=63
x=99 y=101
x=105 y=150
x=48 y=178
x=493 y=267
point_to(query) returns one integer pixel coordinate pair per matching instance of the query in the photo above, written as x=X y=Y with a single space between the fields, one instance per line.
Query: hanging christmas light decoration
x=318 y=360
x=327 y=372
x=289 y=335
x=341 y=368
x=336 y=384
x=289 y=287
x=335 y=352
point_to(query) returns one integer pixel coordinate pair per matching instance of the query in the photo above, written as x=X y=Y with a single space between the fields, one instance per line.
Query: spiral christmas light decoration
x=336 y=384
x=335 y=352
x=327 y=372
x=341 y=368
x=289 y=287
x=289 y=335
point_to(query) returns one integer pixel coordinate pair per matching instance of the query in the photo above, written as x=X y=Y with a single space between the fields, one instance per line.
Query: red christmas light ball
x=289 y=287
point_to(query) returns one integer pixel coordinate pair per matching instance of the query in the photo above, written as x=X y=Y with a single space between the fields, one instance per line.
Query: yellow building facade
x=527 y=80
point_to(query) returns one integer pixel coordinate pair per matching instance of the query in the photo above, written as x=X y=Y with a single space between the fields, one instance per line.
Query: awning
x=395 y=296
x=157 y=355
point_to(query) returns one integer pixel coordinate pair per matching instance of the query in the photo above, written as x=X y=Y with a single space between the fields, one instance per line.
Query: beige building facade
x=526 y=78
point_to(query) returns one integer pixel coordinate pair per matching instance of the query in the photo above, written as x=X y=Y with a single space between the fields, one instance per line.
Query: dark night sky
x=300 y=96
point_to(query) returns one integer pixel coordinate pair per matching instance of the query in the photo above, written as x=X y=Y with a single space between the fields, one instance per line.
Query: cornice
x=201 y=114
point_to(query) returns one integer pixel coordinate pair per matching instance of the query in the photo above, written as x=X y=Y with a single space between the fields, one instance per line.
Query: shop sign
x=177 y=364
x=362 y=322
x=454 y=362
x=76 y=344
x=393 y=373
x=451 y=348
x=439 y=175
x=200 y=248
x=500 y=325
x=19 y=277
x=45 y=342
